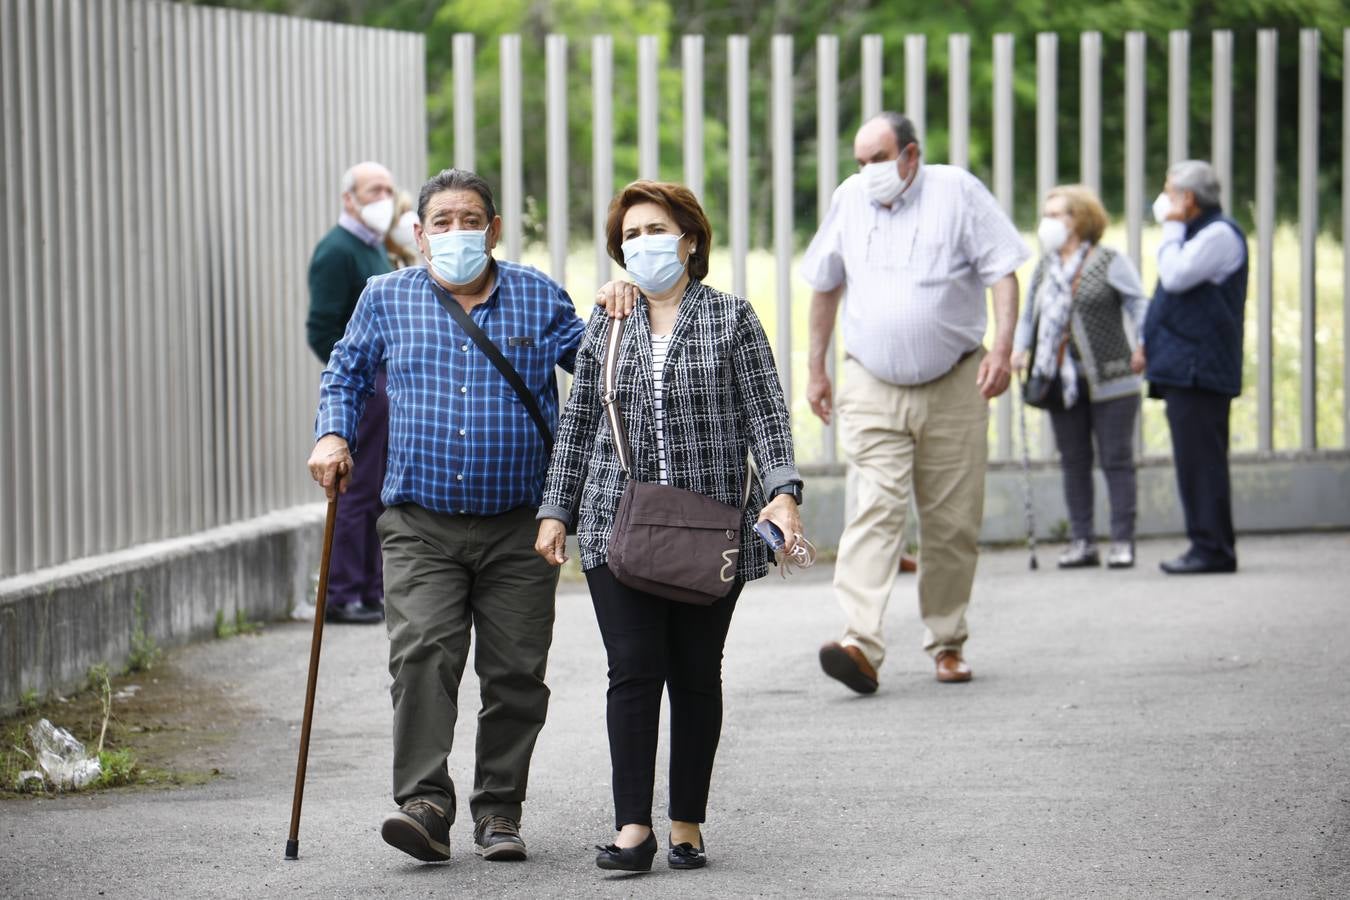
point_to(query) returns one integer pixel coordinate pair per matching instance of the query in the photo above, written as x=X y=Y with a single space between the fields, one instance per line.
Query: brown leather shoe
x=951 y=668
x=846 y=663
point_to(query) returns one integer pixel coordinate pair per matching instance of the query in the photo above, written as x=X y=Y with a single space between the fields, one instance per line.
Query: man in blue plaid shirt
x=465 y=470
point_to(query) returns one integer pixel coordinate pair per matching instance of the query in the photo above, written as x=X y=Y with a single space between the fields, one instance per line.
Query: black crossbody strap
x=494 y=355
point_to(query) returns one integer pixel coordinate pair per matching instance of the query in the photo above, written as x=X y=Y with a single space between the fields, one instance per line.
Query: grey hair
x=1198 y=177
x=349 y=176
x=455 y=180
x=901 y=127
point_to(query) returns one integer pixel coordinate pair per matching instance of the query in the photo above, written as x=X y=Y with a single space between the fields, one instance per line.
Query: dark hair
x=455 y=180
x=675 y=199
x=901 y=127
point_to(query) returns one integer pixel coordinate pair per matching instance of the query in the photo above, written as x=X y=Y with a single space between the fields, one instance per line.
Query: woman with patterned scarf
x=1085 y=305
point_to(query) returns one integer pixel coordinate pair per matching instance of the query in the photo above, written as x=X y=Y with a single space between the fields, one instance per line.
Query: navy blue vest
x=1193 y=339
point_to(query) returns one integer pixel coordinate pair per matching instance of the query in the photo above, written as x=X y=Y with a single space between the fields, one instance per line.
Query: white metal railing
x=165 y=172
x=1137 y=181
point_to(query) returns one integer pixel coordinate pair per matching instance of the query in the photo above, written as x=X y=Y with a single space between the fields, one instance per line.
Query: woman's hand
x=1019 y=361
x=1138 y=360
x=617 y=298
x=782 y=511
x=551 y=543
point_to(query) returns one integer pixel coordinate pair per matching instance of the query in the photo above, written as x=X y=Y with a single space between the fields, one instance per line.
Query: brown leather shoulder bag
x=667 y=541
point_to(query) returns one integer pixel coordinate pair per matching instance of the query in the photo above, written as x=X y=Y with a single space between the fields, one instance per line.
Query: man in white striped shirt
x=910 y=249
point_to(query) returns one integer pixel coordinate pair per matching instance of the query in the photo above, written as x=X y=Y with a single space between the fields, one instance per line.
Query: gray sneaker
x=497 y=838
x=419 y=829
x=1080 y=555
x=1121 y=555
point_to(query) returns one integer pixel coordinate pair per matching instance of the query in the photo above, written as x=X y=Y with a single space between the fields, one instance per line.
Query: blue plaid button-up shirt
x=460 y=440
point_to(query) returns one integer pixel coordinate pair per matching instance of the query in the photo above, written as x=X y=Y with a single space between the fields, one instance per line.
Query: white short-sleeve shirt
x=914 y=273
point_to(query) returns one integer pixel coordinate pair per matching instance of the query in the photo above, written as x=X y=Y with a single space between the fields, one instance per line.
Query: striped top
x=660 y=345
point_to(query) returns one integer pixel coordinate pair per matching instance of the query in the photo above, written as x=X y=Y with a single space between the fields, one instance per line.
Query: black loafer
x=1194 y=565
x=352 y=614
x=627 y=859
x=687 y=856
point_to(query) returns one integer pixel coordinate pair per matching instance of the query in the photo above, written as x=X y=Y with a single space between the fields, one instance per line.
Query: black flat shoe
x=687 y=856
x=627 y=859
x=1194 y=565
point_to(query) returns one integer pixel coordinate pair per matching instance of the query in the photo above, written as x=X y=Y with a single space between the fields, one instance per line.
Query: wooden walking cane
x=293 y=841
x=1028 y=511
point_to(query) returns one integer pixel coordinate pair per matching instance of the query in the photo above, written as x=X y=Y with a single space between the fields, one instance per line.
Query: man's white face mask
x=883 y=180
x=379 y=215
x=1162 y=208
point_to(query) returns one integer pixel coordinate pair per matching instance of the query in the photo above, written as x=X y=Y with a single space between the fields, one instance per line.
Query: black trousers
x=1198 y=420
x=654 y=643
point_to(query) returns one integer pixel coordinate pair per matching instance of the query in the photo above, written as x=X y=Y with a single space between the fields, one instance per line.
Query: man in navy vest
x=1193 y=335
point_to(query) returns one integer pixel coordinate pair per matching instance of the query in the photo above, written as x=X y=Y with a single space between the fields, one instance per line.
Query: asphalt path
x=1127 y=734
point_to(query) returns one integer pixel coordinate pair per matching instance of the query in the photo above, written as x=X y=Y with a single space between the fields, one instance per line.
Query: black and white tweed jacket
x=721 y=398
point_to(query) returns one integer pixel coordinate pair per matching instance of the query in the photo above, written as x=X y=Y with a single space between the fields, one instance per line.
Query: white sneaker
x=1080 y=555
x=1121 y=555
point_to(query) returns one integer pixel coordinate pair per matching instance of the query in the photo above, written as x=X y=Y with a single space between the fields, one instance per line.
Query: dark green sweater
x=338 y=272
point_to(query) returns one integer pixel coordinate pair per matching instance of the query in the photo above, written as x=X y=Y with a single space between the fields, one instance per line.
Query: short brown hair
x=1086 y=210
x=675 y=199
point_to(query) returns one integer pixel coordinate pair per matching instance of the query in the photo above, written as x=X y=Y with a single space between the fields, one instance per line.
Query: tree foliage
x=579 y=20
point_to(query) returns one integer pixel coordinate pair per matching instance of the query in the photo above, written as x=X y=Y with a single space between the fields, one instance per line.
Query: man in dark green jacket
x=348 y=255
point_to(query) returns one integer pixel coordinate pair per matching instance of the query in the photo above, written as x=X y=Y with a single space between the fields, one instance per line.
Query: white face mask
x=459 y=256
x=402 y=232
x=377 y=216
x=883 y=180
x=1162 y=208
x=653 y=261
x=1052 y=234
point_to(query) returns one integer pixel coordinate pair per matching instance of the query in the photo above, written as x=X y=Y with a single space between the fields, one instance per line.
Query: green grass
x=240 y=624
x=761 y=279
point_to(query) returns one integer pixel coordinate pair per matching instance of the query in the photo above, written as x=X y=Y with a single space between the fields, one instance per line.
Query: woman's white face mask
x=402 y=232
x=1052 y=233
x=653 y=261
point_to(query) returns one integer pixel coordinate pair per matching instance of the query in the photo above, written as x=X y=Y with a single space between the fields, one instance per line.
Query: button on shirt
x=914 y=273
x=460 y=440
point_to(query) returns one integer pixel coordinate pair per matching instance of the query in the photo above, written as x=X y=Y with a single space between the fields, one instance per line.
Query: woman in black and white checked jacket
x=697 y=389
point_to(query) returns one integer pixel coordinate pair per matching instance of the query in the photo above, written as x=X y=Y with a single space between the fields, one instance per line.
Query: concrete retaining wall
x=56 y=623
x=1278 y=492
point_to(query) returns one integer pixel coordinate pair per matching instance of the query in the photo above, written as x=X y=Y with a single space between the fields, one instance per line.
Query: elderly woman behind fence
x=697 y=387
x=1072 y=331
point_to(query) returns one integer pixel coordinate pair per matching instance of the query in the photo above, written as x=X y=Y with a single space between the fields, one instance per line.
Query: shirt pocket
x=529 y=362
x=930 y=263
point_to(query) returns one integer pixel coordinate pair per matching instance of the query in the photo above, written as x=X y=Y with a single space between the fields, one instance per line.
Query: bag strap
x=609 y=398
x=609 y=384
x=494 y=355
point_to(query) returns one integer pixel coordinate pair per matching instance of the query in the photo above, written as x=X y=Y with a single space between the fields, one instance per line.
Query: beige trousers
x=931 y=437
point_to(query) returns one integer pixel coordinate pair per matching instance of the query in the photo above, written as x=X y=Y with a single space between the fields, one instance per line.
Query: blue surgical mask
x=459 y=256
x=653 y=261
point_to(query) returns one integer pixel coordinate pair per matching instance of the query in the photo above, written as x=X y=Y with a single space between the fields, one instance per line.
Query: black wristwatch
x=792 y=489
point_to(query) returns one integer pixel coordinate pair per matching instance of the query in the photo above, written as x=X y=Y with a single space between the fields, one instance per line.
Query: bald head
x=363 y=183
x=883 y=137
